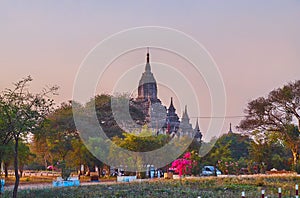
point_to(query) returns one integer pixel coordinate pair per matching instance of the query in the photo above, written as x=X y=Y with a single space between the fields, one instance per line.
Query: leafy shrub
x=65 y=171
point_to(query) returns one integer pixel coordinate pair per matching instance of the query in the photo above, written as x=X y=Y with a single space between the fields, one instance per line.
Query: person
x=103 y=172
x=158 y=173
x=79 y=173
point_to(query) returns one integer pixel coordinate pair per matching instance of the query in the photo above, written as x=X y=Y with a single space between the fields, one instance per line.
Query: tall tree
x=277 y=113
x=57 y=135
x=23 y=112
x=39 y=146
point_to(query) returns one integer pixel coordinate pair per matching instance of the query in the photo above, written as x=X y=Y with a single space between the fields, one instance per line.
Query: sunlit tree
x=279 y=112
x=22 y=113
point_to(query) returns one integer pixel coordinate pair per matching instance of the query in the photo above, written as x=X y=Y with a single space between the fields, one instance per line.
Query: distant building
x=160 y=119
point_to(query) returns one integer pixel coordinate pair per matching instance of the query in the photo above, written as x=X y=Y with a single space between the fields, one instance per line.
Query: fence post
x=279 y=192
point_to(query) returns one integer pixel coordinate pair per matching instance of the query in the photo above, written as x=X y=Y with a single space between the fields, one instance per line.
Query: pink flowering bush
x=228 y=168
x=183 y=165
x=187 y=155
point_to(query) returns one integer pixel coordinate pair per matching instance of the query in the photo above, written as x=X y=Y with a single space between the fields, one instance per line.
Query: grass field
x=189 y=187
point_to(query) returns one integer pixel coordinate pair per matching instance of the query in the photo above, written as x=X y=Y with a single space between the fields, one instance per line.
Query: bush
x=65 y=171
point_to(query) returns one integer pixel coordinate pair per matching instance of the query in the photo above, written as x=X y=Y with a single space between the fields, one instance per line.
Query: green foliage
x=270 y=151
x=6 y=152
x=276 y=113
x=195 y=163
x=142 y=142
x=228 y=167
x=59 y=140
x=61 y=131
x=25 y=156
x=103 y=106
x=22 y=112
x=138 y=143
x=65 y=170
x=228 y=148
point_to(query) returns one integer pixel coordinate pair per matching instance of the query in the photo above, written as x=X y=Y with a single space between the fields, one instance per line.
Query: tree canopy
x=279 y=112
x=23 y=112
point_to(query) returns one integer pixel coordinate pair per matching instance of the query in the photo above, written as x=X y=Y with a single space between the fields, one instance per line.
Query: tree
x=6 y=153
x=107 y=120
x=268 y=152
x=229 y=147
x=39 y=146
x=57 y=135
x=24 y=156
x=138 y=143
x=277 y=113
x=54 y=141
x=23 y=113
x=59 y=140
x=219 y=152
x=6 y=147
x=81 y=155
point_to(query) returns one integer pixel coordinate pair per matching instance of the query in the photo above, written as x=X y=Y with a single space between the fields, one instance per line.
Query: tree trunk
x=6 y=170
x=295 y=154
x=16 y=167
x=21 y=171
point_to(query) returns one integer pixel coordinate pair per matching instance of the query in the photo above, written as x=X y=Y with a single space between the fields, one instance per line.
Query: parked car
x=210 y=171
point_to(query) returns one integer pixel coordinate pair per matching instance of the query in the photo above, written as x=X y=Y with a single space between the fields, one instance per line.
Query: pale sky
x=255 y=44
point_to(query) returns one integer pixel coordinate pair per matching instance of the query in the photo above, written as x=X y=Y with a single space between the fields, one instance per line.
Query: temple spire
x=230 y=130
x=148 y=68
x=171 y=104
x=148 y=57
x=185 y=116
x=171 y=107
x=197 y=129
x=198 y=134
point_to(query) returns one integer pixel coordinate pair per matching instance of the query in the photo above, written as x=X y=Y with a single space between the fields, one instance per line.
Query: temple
x=160 y=119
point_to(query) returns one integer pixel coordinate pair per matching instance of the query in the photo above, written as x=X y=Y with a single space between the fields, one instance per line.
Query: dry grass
x=189 y=187
x=30 y=179
x=47 y=179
